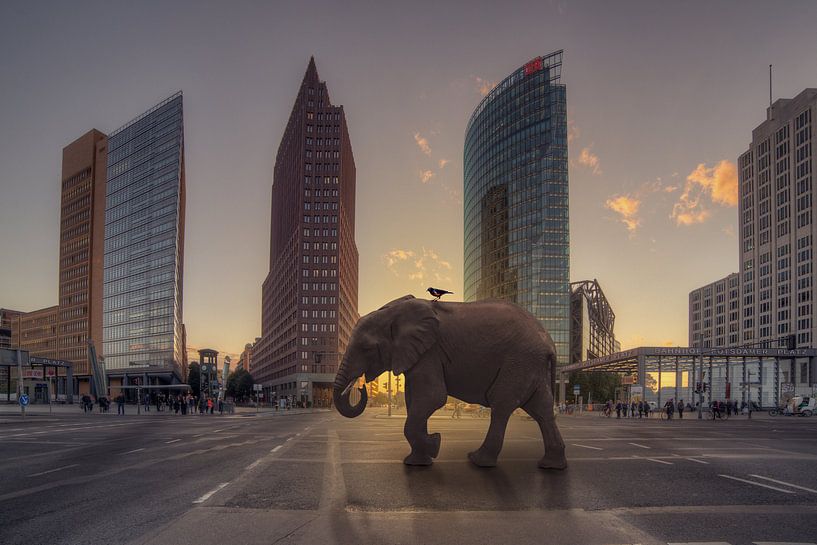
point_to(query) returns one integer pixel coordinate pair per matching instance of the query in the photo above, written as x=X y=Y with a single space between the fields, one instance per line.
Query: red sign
x=533 y=66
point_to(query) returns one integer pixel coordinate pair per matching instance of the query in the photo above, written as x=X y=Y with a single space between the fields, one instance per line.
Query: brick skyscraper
x=309 y=298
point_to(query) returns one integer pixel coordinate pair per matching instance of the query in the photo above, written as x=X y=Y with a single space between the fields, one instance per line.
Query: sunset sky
x=662 y=98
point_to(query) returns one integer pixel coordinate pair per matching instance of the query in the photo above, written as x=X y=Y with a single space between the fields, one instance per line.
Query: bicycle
x=723 y=415
x=606 y=412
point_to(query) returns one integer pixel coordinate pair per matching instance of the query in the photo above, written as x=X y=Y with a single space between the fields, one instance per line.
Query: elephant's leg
x=504 y=396
x=540 y=407
x=425 y=399
x=485 y=455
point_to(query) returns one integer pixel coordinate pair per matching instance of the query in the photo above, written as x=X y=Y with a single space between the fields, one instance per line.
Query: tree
x=596 y=386
x=193 y=377
x=239 y=385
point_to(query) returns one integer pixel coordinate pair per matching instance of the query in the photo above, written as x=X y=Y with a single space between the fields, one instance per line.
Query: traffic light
x=791 y=342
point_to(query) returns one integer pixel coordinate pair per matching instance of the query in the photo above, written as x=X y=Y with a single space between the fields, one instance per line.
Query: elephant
x=493 y=353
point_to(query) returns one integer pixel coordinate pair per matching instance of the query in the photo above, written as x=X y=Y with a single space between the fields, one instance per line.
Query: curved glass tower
x=517 y=244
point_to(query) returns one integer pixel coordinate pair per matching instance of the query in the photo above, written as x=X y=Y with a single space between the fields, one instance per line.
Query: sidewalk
x=10 y=412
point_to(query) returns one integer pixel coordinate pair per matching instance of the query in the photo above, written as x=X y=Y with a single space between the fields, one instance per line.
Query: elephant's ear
x=414 y=330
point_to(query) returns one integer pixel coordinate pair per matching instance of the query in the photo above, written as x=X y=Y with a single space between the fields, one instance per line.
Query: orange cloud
x=443 y=162
x=422 y=143
x=573 y=131
x=426 y=175
x=423 y=266
x=483 y=86
x=719 y=184
x=590 y=160
x=627 y=208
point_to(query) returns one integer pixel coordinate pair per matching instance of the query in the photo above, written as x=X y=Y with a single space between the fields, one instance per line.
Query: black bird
x=437 y=293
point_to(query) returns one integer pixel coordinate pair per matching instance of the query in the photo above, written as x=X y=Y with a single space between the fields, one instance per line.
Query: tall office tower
x=82 y=246
x=714 y=314
x=309 y=298
x=777 y=228
x=144 y=247
x=517 y=244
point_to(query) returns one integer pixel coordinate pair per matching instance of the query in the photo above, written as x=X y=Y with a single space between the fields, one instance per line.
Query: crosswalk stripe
x=586 y=446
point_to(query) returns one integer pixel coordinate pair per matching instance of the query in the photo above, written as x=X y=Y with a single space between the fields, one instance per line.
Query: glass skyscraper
x=517 y=244
x=144 y=247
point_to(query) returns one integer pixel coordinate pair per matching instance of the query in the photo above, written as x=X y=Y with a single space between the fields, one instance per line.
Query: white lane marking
x=207 y=496
x=696 y=460
x=586 y=446
x=306 y=428
x=797 y=486
x=656 y=460
x=216 y=431
x=173 y=441
x=132 y=451
x=297 y=434
x=254 y=464
x=198 y=435
x=637 y=445
x=276 y=448
x=51 y=470
x=780 y=543
x=289 y=438
x=700 y=543
x=756 y=484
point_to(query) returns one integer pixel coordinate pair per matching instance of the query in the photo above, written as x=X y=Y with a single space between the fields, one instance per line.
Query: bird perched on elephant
x=490 y=352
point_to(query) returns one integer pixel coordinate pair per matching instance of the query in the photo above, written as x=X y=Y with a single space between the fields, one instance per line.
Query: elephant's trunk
x=342 y=390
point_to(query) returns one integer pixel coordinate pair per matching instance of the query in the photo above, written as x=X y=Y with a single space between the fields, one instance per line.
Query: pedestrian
x=618 y=409
x=210 y=405
x=681 y=409
x=633 y=409
x=220 y=407
x=146 y=402
x=624 y=407
x=120 y=404
x=669 y=407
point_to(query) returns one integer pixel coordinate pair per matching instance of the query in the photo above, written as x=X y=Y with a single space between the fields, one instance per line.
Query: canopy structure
x=761 y=375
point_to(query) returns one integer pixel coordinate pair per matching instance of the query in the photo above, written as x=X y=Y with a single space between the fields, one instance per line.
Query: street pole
x=701 y=390
x=389 y=393
x=20 y=382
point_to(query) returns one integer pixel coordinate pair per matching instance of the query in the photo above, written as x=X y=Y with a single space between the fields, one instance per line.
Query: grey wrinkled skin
x=490 y=352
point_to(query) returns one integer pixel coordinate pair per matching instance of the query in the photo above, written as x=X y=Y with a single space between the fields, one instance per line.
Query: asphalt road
x=320 y=478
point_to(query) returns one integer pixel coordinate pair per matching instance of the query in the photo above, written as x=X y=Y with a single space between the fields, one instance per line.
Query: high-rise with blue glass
x=144 y=248
x=517 y=244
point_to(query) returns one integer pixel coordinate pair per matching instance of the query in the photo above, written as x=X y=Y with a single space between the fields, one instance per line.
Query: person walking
x=220 y=407
x=210 y=405
x=624 y=407
x=618 y=409
x=120 y=404
x=669 y=407
x=633 y=409
x=146 y=402
x=681 y=409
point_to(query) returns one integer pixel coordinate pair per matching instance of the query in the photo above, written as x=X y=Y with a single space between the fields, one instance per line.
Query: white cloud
x=426 y=175
x=627 y=209
x=443 y=162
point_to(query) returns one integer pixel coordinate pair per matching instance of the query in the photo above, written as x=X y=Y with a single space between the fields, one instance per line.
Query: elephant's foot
x=553 y=462
x=481 y=458
x=433 y=445
x=415 y=459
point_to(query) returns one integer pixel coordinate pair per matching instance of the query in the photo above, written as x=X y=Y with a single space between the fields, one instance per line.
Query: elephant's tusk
x=346 y=390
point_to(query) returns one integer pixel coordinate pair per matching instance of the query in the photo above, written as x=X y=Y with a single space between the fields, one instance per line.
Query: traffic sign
x=257 y=387
x=576 y=389
x=24 y=400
